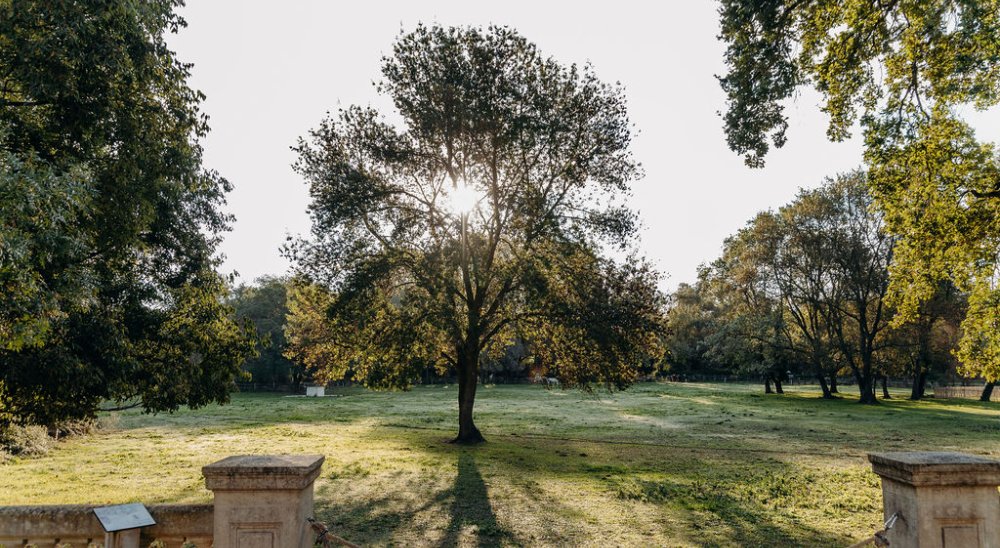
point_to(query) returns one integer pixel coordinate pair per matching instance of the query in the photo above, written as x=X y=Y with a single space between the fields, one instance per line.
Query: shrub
x=28 y=440
x=76 y=427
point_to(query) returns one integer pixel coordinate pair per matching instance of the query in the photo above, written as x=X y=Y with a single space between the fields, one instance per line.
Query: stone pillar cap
x=944 y=468
x=262 y=472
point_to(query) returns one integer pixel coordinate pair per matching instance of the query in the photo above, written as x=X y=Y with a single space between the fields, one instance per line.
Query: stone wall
x=48 y=526
x=259 y=502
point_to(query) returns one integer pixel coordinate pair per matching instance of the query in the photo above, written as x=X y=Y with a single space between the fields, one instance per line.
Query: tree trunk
x=923 y=361
x=468 y=369
x=885 y=388
x=866 y=388
x=833 y=384
x=824 y=387
x=919 y=385
x=767 y=385
x=987 y=392
x=777 y=386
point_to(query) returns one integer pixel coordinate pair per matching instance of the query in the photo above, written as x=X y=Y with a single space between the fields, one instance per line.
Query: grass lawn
x=659 y=464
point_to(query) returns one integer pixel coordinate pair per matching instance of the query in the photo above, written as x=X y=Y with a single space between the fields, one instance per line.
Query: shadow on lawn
x=670 y=495
x=715 y=516
x=467 y=503
x=471 y=506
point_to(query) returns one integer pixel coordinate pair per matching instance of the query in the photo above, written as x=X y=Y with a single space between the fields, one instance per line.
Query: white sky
x=271 y=71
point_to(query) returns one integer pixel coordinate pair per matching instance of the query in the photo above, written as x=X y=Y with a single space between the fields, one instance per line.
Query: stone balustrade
x=939 y=499
x=260 y=502
x=48 y=526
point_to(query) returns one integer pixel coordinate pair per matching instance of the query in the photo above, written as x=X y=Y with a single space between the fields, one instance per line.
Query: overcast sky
x=272 y=70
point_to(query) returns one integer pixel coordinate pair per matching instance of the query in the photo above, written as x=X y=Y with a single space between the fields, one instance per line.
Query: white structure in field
x=316 y=391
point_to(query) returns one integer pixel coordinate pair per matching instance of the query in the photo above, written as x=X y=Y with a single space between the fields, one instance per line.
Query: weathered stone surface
x=936 y=468
x=943 y=499
x=76 y=524
x=263 y=501
x=248 y=472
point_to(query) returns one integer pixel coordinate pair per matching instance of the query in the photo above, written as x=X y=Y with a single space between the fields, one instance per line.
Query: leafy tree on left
x=109 y=222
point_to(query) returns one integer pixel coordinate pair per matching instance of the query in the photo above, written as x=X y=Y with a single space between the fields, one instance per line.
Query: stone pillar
x=263 y=501
x=944 y=500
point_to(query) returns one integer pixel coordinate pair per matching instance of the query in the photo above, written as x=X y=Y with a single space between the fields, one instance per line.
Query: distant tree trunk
x=824 y=387
x=866 y=386
x=833 y=384
x=987 y=392
x=919 y=385
x=885 y=388
x=777 y=385
x=468 y=373
x=923 y=361
x=866 y=389
x=767 y=385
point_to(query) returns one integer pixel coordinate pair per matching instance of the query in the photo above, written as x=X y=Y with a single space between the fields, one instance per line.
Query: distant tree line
x=805 y=291
x=296 y=342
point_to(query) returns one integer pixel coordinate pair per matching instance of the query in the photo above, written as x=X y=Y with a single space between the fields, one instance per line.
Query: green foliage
x=871 y=61
x=902 y=69
x=108 y=267
x=309 y=332
x=40 y=232
x=939 y=189
x=416 y=282
x=692 y=320
x=807 y=284
x=924 y=345
x=264 y=303
x=748 y=333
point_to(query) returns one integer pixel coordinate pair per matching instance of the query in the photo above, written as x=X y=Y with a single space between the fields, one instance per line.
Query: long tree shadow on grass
x=471 y=507
x=715 y=516
x=378 y=519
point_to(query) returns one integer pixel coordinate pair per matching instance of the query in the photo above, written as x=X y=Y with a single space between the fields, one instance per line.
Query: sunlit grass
x=660 y=464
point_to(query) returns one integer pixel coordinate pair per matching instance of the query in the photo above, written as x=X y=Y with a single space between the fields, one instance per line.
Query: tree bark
x=827 y=395
x=919 y=385
x=767 y=385
x=777 y=386
x=866 y=387
x=923 y=361
x=987 y=392
x=885 y=388
x=468 y=373
x=833 y=384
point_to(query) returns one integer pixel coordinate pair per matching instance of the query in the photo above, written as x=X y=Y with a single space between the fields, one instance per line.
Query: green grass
x=659 y=464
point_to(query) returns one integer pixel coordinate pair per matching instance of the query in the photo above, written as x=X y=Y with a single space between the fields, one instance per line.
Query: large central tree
x=480 y=219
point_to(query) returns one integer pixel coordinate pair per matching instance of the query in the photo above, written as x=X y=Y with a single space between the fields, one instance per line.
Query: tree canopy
x=904 y=71
x=110 y=222
x=483 y=217
x=804 y=290
x=265 y=303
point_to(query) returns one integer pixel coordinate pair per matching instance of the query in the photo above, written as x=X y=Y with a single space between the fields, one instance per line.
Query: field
x=659 y=464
